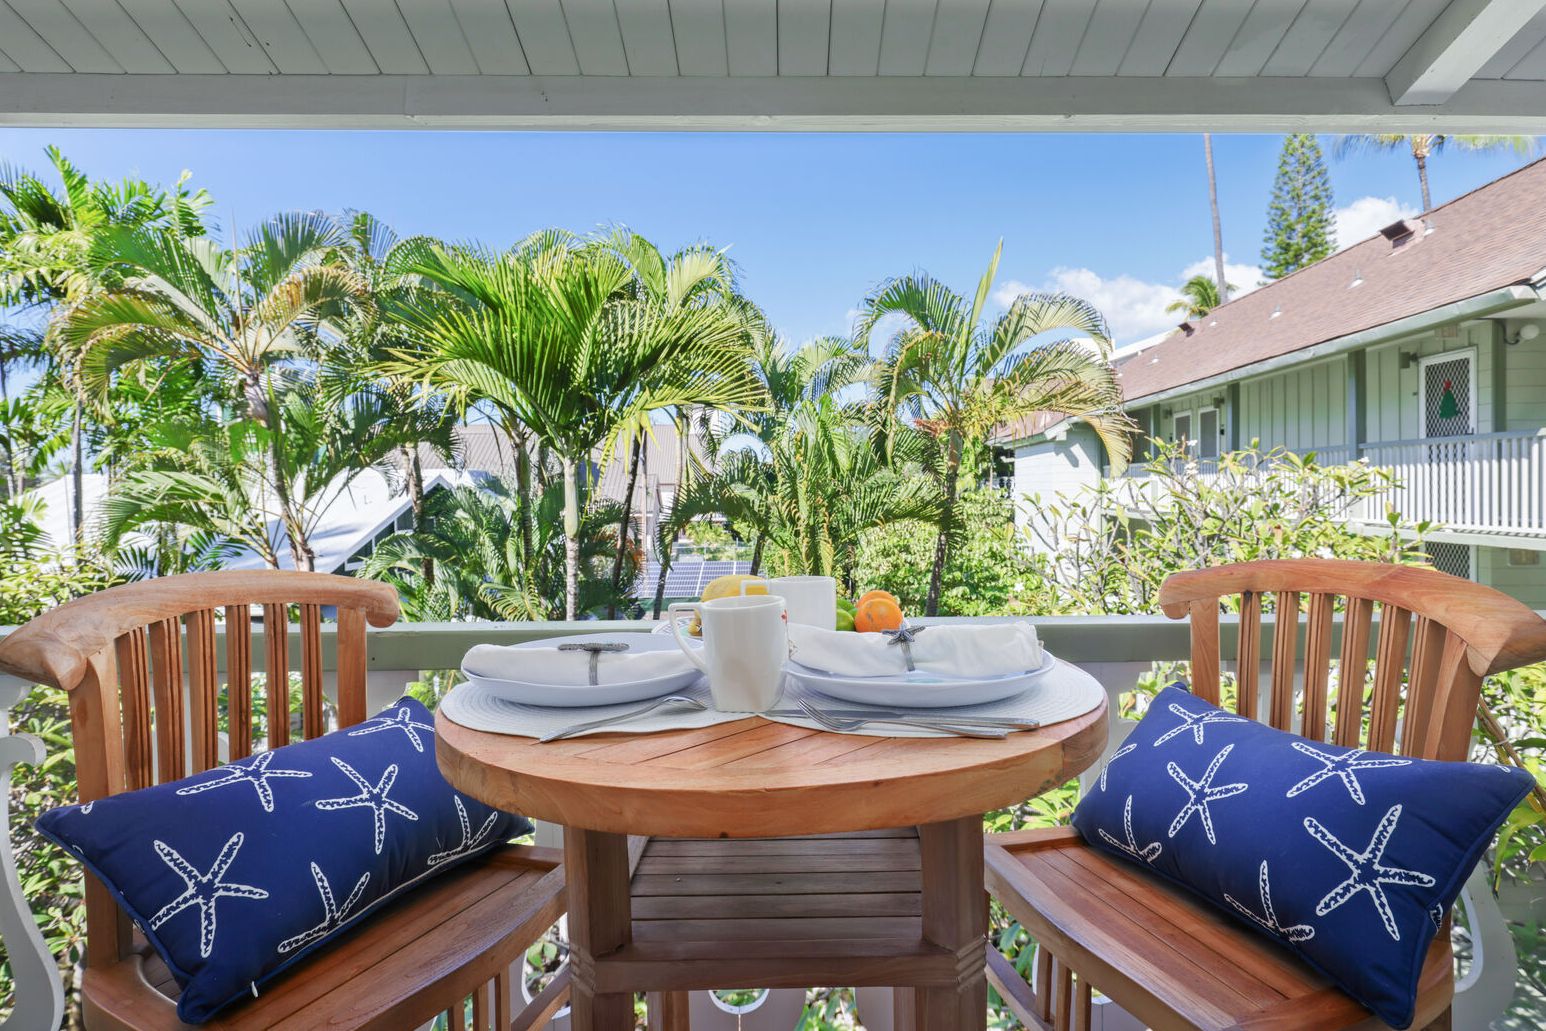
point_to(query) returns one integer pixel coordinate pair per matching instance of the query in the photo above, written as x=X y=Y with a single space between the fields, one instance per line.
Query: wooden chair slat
x=1044 y=983
x=1317 y=665
x=313 y=718
x=1352 y=671
x=203 y=691
x=1285 y=643
x=134 y=677
x=276 y=648
x=1065 y=997
x=456 y=1016
x=351 y=667
x=480 y=1008
x=166 y=681
x=1446 y=733
x=1428 y=639
x=1205 y=650
x=1389 y=671
x=502 y=1000
x=238 y=667
x=1248 y=661
x=1084 y=1009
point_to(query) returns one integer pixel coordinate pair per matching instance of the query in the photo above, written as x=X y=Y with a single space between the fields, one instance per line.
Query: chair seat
x=1167 y=957
x=399 y=968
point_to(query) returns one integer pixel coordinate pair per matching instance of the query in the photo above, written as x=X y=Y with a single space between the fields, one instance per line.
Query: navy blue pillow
x=1350 y=858
x=236 y=873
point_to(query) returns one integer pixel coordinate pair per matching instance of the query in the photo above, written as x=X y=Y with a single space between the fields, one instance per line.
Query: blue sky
x=814 y=221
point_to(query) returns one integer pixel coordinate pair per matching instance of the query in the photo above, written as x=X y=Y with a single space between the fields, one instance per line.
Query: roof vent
x=1357 y=279
x=1276 y=311
x=1187 y=328
x=1400 y=232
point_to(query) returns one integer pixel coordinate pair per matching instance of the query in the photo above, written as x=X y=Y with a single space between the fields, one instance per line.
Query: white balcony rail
x=1116 y=650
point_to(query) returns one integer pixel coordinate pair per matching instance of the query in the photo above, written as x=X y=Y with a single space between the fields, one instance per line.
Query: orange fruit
x=868 y=595
x=878 y=614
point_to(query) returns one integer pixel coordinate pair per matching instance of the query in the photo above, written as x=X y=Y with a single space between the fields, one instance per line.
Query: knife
x=921 y=714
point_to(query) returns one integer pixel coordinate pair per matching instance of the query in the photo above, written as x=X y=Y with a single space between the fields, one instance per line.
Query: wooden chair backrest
x=140 y=664
x=1456 y=633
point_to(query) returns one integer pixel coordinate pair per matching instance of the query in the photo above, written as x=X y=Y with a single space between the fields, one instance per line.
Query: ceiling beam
x=1462 y=39
x=1114 y=104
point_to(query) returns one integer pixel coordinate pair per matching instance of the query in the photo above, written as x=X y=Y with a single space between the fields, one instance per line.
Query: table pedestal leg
x=600 y=922
x=955 y=917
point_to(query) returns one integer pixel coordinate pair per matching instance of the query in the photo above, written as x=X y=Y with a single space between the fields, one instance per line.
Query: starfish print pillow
x=1352 y=859
x=236 y=873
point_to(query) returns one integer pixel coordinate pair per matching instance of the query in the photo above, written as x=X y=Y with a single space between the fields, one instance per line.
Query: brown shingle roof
x=1490 y=238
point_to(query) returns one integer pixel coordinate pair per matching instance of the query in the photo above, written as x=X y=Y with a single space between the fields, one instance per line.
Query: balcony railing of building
x=1116 y=650
x=1482 y=483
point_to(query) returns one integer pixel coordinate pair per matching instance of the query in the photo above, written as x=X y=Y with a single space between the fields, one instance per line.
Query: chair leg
x=668 y=1011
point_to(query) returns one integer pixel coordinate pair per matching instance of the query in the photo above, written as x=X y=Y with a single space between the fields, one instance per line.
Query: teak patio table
x=854 y=860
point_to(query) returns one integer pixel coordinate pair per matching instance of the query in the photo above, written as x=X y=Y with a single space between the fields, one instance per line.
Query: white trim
x=1463 y=38
x=1469 y=354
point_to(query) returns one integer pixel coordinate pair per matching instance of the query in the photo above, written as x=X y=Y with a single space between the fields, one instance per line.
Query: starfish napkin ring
x=595 y=648
x=905 y=636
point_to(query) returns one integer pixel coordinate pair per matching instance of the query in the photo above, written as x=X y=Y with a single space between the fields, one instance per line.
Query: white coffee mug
x=745 y=645
x=811 y=600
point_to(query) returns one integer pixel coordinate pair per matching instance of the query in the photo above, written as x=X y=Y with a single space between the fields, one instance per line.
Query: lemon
x=730 y=586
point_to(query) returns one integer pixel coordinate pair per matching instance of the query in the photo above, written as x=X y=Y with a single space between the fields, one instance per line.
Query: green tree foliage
x=1299 y=215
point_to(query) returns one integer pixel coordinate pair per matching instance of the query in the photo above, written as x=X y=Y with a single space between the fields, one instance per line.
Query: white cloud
x=1242 y=279
x=1366 y=216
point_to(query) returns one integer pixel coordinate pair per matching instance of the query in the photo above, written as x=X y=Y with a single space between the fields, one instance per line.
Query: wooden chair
x=122 y=655
x=1174 y=962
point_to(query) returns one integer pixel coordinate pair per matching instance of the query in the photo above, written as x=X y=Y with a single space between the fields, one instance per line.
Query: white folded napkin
x=570 y=668
x=966 y=650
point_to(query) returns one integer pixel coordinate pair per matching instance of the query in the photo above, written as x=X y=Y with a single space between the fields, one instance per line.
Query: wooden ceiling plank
x=1515 y=51
x=1006 y=36
x=1056 y=41
x=957 y=39
x=1158 y=37
x=1532 y=66
x=8 y=65
x=1208 y=38
x=120 y=36
x=66 y=35
x=281 y=36
x=1306 y=40
x=1107 y=38
x=1357 y=38
x=177 y=40
x=1408 y=27
x=29 y=51
x=904 y=36
x=439 y=36
x=855 y=44
x=597 y=37
x=699 y=29
x=647 y=37
x=802 y=36
x=222 y=30
x=336 y=40
x=545 y=37
x=1264 y=29
x=1463 y=38
x=491 y=35
x=751 y=37
x=382 y=29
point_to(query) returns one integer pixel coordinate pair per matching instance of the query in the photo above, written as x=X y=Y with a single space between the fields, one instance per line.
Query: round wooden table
x=759 y=853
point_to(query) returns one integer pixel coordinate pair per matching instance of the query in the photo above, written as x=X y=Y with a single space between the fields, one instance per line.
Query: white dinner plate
x=568 y=696
x=919 y=690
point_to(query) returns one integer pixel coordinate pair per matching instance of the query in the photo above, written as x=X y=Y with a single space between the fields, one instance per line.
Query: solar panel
x=686 y=578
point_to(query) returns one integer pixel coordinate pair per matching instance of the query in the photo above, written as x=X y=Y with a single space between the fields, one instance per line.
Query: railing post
x=39 y=1002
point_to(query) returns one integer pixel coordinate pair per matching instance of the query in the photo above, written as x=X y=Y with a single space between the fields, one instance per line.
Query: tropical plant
x=1422 y=146
x=1199 y=296
x=549 y=337
x=1299 y=230
x=32 y=434
x=957 y=377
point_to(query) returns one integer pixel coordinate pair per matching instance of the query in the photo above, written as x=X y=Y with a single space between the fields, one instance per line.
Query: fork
x=842 y=725
x=674 y=701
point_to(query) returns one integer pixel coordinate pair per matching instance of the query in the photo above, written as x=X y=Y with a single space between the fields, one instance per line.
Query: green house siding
x=1300 y=409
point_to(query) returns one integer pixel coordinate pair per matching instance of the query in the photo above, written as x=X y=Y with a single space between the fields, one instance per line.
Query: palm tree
x=948 y=370
x=1199 y=296
x=1219 y=282
x=1425 y=145
x=248 y=313
x=548 y=336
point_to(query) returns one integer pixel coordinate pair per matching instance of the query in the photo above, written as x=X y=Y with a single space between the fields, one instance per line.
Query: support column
x=600 y=922
x=955 y=917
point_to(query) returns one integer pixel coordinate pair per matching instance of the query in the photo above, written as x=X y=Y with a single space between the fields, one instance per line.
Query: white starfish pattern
x=402 y=720
x=1200 y=793
x=1119 y=753
x=470 y=841
x=1344 y=766
x=1268 y=917
x=333 y=915
x=1196 y=722
x=1367 y=873
x=203 y=889
x=1149 y=853
x=255 y=773
x=372 y=796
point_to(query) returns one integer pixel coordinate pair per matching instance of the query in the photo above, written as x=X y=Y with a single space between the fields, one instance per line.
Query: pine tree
x=1299 y=228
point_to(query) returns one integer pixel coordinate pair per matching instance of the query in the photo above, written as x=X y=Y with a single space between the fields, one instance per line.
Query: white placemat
x=1064 y=693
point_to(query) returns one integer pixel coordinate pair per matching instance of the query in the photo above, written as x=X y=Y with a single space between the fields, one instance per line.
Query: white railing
x=1116 y=650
